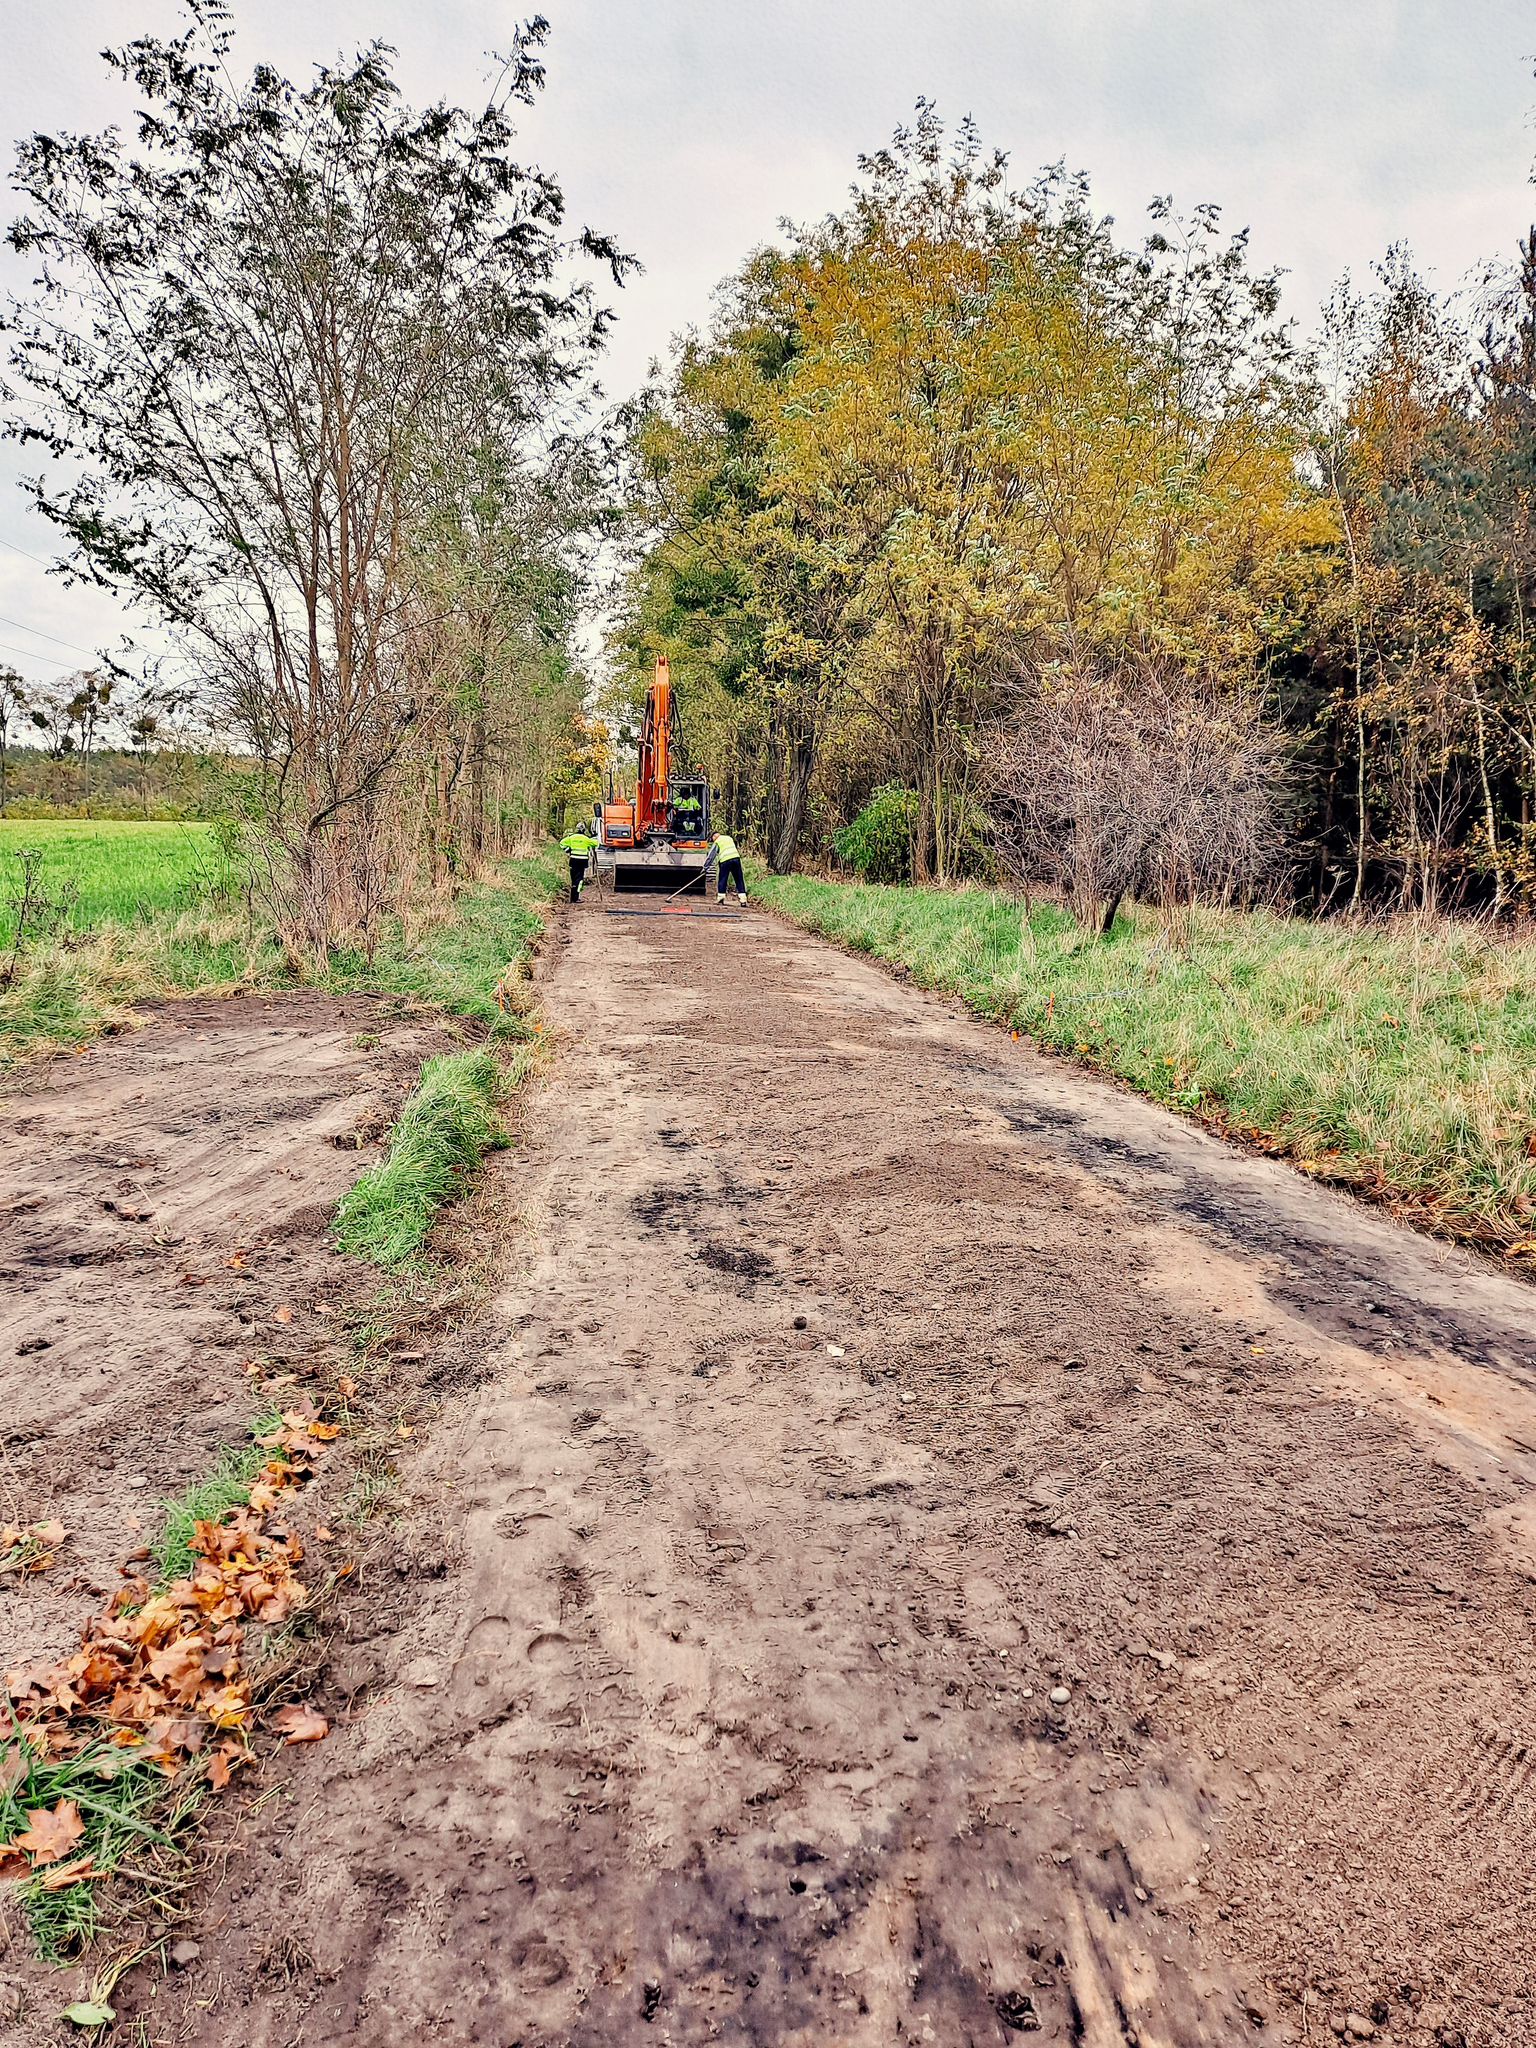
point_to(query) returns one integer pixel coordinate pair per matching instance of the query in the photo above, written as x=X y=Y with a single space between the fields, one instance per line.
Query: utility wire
x=29 y=654
x=91 y=653
x=41 y=560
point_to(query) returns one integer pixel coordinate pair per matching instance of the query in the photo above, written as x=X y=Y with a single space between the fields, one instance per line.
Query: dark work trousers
x=730 y=873
x=579 y=874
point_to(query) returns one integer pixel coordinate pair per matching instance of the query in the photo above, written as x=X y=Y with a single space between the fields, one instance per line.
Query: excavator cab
x=690 y=811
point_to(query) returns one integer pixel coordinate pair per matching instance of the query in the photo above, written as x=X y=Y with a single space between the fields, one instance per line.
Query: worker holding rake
x=724 y=849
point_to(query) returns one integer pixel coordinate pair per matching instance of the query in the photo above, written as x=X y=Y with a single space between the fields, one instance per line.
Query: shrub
x=877 y=845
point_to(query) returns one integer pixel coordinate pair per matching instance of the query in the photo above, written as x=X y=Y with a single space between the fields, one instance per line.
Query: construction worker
x=728 y=853
x=580 y=847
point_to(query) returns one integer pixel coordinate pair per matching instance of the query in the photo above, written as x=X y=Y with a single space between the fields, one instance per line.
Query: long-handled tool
x=702 y=878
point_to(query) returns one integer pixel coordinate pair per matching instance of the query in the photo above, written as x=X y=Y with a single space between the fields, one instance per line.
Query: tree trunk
x=786 y=839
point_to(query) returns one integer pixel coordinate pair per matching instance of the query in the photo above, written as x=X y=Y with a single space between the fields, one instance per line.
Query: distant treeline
x=115 y=783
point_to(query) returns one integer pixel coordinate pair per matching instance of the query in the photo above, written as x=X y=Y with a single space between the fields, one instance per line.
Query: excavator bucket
x=662 y=869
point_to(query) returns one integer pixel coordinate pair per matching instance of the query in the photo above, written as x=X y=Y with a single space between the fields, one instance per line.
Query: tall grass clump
x=442 y=1133
x=1396 y=1057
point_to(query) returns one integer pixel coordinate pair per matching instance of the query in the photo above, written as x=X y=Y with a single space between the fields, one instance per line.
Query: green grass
x=1400 y=1058
x=226 y=1487
x=467 y=958
x=441 y=1135
x=123 y=873
x=461 y=963
x=123 y=1804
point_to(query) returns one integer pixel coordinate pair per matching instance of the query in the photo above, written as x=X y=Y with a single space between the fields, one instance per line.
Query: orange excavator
x=658 y=840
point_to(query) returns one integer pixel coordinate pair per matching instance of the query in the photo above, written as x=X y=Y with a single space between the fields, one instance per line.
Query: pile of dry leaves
x=163 y=1676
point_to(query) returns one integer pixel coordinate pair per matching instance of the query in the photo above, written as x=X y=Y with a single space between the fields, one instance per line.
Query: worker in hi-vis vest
x=580 y=848
x=728 y=853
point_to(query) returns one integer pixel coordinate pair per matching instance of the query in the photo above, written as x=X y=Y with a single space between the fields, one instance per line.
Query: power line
x=28 y=654
x=41 y=560
x=91 y=653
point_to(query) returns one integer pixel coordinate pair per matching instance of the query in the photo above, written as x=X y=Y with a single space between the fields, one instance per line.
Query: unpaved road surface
x=164 y=1206
x=923 y=1549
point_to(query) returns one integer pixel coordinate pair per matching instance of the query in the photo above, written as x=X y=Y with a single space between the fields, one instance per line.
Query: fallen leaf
x=300 y=1724
x=180 y=1664
x=49 y=1532
x=283 y=1314
x=324 y=1432
x=87 y=2015
x=223 y=1764
x=346 y=1386
x=77 y=1872
x=52 y=1833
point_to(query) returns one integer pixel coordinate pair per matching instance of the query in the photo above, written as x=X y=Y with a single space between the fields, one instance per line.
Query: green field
x=1398 y=1058
x=150 y=921
x=121 y=873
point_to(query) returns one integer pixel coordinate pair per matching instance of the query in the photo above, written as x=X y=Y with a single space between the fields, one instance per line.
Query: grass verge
x=442 y=1133
x=1398 y=1059
x=127 y=1816
x=467 y=958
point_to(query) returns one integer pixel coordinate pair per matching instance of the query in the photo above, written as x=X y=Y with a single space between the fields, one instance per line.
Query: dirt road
x=164 y=1200
x=925 y=1549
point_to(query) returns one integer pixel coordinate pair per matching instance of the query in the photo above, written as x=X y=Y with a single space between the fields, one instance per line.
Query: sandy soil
x=924 y=1548
x=130 y=1178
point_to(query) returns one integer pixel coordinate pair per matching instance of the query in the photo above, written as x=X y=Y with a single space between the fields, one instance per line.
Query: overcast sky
x=689 y=128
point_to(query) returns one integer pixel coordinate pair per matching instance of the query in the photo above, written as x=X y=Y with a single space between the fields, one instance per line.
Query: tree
x=89 y=703
x=249 y=341
x=957 y=427
x=14 y=706
x=1116 y=777
x=760 y=586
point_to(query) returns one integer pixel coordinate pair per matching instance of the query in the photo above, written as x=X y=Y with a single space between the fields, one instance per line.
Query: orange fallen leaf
x=283 y=1314
x=71 y=1873
x=300 y=1724
x=324 y=1432
x=346 y=1386
x=179 y=1666
x=223 y=1764
x=52 y=1833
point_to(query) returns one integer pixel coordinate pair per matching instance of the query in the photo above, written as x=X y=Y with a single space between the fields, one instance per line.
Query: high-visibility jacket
x=578 y=845
x=726 y=846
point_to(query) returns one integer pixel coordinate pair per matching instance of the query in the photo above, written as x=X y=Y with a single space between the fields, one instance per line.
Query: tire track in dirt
x=930 y=1550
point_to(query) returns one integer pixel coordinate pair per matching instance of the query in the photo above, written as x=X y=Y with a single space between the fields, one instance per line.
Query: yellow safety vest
x=725 y=846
